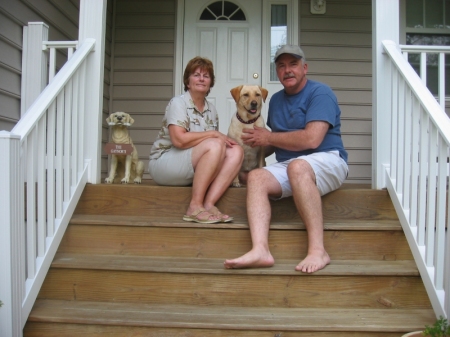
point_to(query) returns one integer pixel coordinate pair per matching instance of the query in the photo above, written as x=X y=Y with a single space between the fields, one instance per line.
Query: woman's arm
x=183 y=139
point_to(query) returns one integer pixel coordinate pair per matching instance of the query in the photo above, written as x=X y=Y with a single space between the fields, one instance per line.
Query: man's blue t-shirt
x=315 y=102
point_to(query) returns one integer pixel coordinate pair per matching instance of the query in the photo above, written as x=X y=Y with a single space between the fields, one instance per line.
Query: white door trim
x=178 y=59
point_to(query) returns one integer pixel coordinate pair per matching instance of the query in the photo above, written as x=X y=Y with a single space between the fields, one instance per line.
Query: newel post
x=385 y=26
x=34 y=63
x=93 y=25
x=12 y=278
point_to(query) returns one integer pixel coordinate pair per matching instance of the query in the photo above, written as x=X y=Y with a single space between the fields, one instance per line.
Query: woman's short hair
x=198 y=62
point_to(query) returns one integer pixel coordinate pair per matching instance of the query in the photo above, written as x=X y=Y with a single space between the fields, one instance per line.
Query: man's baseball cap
x=290 y=49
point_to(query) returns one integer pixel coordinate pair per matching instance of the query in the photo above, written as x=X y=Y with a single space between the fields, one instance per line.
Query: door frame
x=293 y=38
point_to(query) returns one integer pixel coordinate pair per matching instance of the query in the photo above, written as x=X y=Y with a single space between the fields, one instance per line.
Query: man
x=304 y=119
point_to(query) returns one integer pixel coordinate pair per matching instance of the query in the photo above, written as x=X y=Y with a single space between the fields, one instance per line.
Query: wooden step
x=185 y=265
x=236 y=321
x=171 y=202
x=206 y=282
x=128 y=265
x=357 y=240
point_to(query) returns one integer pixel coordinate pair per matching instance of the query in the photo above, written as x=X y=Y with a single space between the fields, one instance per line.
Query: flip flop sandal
x=194 y=217
x=215 y=211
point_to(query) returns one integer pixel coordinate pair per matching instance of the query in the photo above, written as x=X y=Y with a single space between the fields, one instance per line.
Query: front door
x=229 y=34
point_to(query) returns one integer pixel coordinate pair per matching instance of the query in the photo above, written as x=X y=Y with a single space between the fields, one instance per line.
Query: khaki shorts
x=330 y=170
x=173 y=168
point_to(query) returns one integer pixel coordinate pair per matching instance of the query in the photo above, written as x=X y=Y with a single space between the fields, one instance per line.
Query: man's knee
x=300 y=169
x=257 y=175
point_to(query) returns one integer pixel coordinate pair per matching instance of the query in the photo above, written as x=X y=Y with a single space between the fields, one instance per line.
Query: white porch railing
x=52 y=46
x=42 y=177
x=417 y=172
x=425 y=52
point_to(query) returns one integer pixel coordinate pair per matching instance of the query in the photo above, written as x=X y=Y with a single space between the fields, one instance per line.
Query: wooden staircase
x=129 y=266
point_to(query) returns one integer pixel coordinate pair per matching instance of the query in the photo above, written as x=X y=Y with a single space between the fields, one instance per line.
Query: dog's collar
x=251 y=121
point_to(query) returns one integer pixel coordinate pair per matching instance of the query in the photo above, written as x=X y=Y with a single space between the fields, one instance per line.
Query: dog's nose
x=254 y=103
x=119 y=118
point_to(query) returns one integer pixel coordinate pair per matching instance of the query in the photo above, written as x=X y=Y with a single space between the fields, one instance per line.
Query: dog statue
x=249 y=100
x=124 y=167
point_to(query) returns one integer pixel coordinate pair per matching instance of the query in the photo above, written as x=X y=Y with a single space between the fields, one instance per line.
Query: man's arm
x=309 y=138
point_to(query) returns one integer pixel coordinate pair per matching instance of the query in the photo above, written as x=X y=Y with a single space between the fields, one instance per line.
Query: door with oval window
x=229 y=34
x=240 y=38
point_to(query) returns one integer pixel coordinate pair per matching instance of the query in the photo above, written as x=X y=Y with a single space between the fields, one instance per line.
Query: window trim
x=292 y=32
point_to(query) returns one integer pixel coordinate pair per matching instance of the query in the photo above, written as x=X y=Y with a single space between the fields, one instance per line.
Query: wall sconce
x=318 y=6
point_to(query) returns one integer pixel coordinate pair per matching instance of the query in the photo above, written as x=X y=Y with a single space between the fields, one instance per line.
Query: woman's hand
x=227 y=140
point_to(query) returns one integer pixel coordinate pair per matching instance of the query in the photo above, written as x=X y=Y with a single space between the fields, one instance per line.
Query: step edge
x=268 y=318
x=404 y=268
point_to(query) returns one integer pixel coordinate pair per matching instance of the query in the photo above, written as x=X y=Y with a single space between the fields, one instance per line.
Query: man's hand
x=256 y=136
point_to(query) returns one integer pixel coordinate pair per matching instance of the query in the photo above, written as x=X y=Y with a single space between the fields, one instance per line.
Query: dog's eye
x=258 y=95
x=246 y=95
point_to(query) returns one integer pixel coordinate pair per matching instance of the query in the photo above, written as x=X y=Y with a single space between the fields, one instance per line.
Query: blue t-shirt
x=315 y=102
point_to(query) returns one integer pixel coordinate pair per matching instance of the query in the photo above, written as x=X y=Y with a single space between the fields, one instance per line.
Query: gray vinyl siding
x=62 y=17
x=338 y=48
x=144 y=49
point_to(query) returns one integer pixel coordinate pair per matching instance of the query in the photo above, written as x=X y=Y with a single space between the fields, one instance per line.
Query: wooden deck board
x=215 y=266
x=229 y=318
x=241 y=222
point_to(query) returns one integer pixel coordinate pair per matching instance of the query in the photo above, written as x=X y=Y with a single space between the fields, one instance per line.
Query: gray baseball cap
x=290 y=49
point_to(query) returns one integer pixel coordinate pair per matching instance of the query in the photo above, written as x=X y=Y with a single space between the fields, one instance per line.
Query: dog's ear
x=128 y=120
x=108 y=120
x=236 y=93
x=264 y=93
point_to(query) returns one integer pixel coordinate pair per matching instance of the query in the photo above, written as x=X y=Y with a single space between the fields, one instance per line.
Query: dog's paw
x=236 y=184
x=125 y=181
x=109 y=181
x=137 y=180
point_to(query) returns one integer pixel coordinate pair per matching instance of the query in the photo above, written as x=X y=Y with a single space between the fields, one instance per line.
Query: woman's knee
x=210 y=145
x=236 y=152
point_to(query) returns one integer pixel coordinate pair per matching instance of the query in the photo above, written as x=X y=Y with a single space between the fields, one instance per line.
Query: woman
x=190 y=150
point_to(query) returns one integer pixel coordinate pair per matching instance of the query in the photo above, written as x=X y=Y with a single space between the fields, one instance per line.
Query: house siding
x=338 y=48
x=144 y=47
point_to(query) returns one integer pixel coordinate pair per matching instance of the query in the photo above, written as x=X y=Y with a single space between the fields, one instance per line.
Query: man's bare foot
x=252 y=259
x=313 y=262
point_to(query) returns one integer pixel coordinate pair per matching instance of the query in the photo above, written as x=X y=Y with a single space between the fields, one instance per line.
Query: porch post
x=385 y=26
x=34 y=63
x=93 y=25
x=12 y=278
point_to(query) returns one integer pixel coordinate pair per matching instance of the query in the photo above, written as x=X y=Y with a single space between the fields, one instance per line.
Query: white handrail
x=49 y=174
x=418 y=171
x=49 y=94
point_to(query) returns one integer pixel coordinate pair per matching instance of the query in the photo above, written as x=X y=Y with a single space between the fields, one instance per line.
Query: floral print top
x=182 y=111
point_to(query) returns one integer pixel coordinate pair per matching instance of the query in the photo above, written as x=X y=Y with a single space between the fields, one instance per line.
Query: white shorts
x=173 y=168
x=330 y=170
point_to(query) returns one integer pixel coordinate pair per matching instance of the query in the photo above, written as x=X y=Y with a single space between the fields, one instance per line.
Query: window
x=278 y=34
x=428 y=23
x=222 y=10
